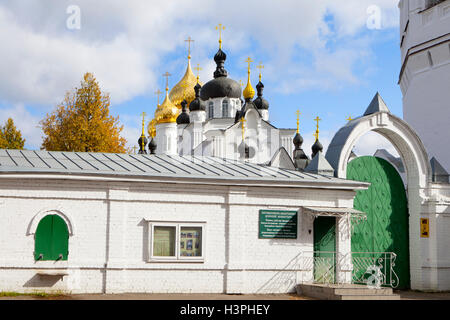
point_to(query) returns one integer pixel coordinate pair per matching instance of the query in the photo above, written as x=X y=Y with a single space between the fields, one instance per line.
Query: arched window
x=225 y=109
x=51 y=240
x=211 y=110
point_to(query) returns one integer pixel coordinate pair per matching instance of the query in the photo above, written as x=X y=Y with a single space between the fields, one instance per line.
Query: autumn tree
x=10 y=137
x=82 y=122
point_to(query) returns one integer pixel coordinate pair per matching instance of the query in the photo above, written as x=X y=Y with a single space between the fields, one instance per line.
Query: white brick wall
x=108 y=251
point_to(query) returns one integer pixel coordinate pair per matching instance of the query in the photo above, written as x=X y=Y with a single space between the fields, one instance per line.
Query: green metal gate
x=385 y=203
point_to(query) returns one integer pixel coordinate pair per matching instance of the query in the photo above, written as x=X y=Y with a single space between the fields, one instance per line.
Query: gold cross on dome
x=260 y=67
x=220 y=27
x=167 y=75
x=189 y=40
x=158 y=92
x=317 y=130
x=242 y=121
x=298 y=120
x=316 y=135
x=249 y=60
x=198 y=69
x=350 y=118
x=143 y=123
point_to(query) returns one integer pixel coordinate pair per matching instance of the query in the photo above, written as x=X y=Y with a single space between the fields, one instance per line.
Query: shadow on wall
x=43 y=281
x=284 y=280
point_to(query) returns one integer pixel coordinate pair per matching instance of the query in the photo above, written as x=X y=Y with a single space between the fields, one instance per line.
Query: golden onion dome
x=249 y=92
x=167 y=112
x=184 y=89
x=151 y=129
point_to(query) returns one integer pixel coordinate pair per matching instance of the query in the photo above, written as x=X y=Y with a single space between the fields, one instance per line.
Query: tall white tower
x=425 y=74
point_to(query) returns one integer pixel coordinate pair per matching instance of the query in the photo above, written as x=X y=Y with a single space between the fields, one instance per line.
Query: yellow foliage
x=10 y=137
x=82 y=122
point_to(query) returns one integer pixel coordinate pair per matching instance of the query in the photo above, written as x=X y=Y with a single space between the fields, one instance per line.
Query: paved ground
x=405 y=295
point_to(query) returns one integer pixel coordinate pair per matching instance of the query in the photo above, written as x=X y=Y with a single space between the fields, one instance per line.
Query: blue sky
x=322 y=57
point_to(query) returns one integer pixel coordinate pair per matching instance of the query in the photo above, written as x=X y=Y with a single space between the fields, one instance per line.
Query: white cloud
x=123 y=43
x=369 y=143
x=127 y=45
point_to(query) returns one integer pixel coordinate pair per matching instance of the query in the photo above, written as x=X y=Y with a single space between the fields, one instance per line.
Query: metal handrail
x=322 y=266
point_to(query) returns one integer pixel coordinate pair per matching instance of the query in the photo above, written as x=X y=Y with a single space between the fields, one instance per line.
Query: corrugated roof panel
x=106 y=161
x=93 y=161
x=19 y=159
x=149 y=166
x=49 y=160
x=79 y=162
x=211 y=167
x=5 y=160
x=64 y=161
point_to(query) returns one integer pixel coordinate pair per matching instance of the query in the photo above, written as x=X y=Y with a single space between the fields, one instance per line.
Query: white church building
x=221 y=201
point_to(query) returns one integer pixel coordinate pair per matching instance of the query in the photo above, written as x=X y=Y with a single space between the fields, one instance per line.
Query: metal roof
x=94 y=164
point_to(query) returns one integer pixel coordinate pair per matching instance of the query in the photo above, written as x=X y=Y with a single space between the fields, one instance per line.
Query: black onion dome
x=183 y=117
x=152 y=146
x=298 y=141
x=220 y=56
x=142 y=146
x=260 y=102
x=197 y=104
x=220 y=86
x=316 y=147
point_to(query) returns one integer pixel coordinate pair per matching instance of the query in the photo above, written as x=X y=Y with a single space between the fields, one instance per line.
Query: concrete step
x=345 y=292
x=369 y=297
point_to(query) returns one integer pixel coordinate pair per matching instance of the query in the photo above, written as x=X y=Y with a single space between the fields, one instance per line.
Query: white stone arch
x=32 y=227
x=416 y=162
x=395 y=130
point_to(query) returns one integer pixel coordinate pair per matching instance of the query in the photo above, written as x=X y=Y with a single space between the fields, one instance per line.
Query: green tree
x=10 y=137
x=82 y=122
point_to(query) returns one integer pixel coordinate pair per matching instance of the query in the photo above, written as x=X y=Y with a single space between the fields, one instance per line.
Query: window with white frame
x=170 y=241
x=211 y=110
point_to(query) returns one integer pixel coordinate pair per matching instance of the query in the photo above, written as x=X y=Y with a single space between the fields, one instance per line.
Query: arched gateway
x=378 y=118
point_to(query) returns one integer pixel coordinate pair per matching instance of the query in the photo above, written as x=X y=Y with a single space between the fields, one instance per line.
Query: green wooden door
x=324 y=249
x=385 y=203
x=51 y=239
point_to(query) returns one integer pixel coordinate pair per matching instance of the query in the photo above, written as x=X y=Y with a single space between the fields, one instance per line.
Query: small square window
x=176 y=242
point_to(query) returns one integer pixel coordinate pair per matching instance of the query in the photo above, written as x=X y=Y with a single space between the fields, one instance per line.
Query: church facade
x=220 y=200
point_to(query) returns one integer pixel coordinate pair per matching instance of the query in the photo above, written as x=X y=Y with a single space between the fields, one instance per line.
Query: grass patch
x=39 y=294
x=9 y=294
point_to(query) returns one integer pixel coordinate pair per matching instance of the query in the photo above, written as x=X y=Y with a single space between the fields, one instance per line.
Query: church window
x=211 y=110
x=51 y=239
x=225 y=109
x=177 y=241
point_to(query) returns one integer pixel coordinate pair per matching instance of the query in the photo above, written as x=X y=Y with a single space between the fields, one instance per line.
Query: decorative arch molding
x=414 y=157
x=41 y=214
x=397 y=131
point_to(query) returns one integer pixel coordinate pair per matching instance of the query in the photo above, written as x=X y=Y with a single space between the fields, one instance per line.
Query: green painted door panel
x=324 y=249
x=51 y=239
x=385 y=203
x=43 y=239
x=60 y=239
